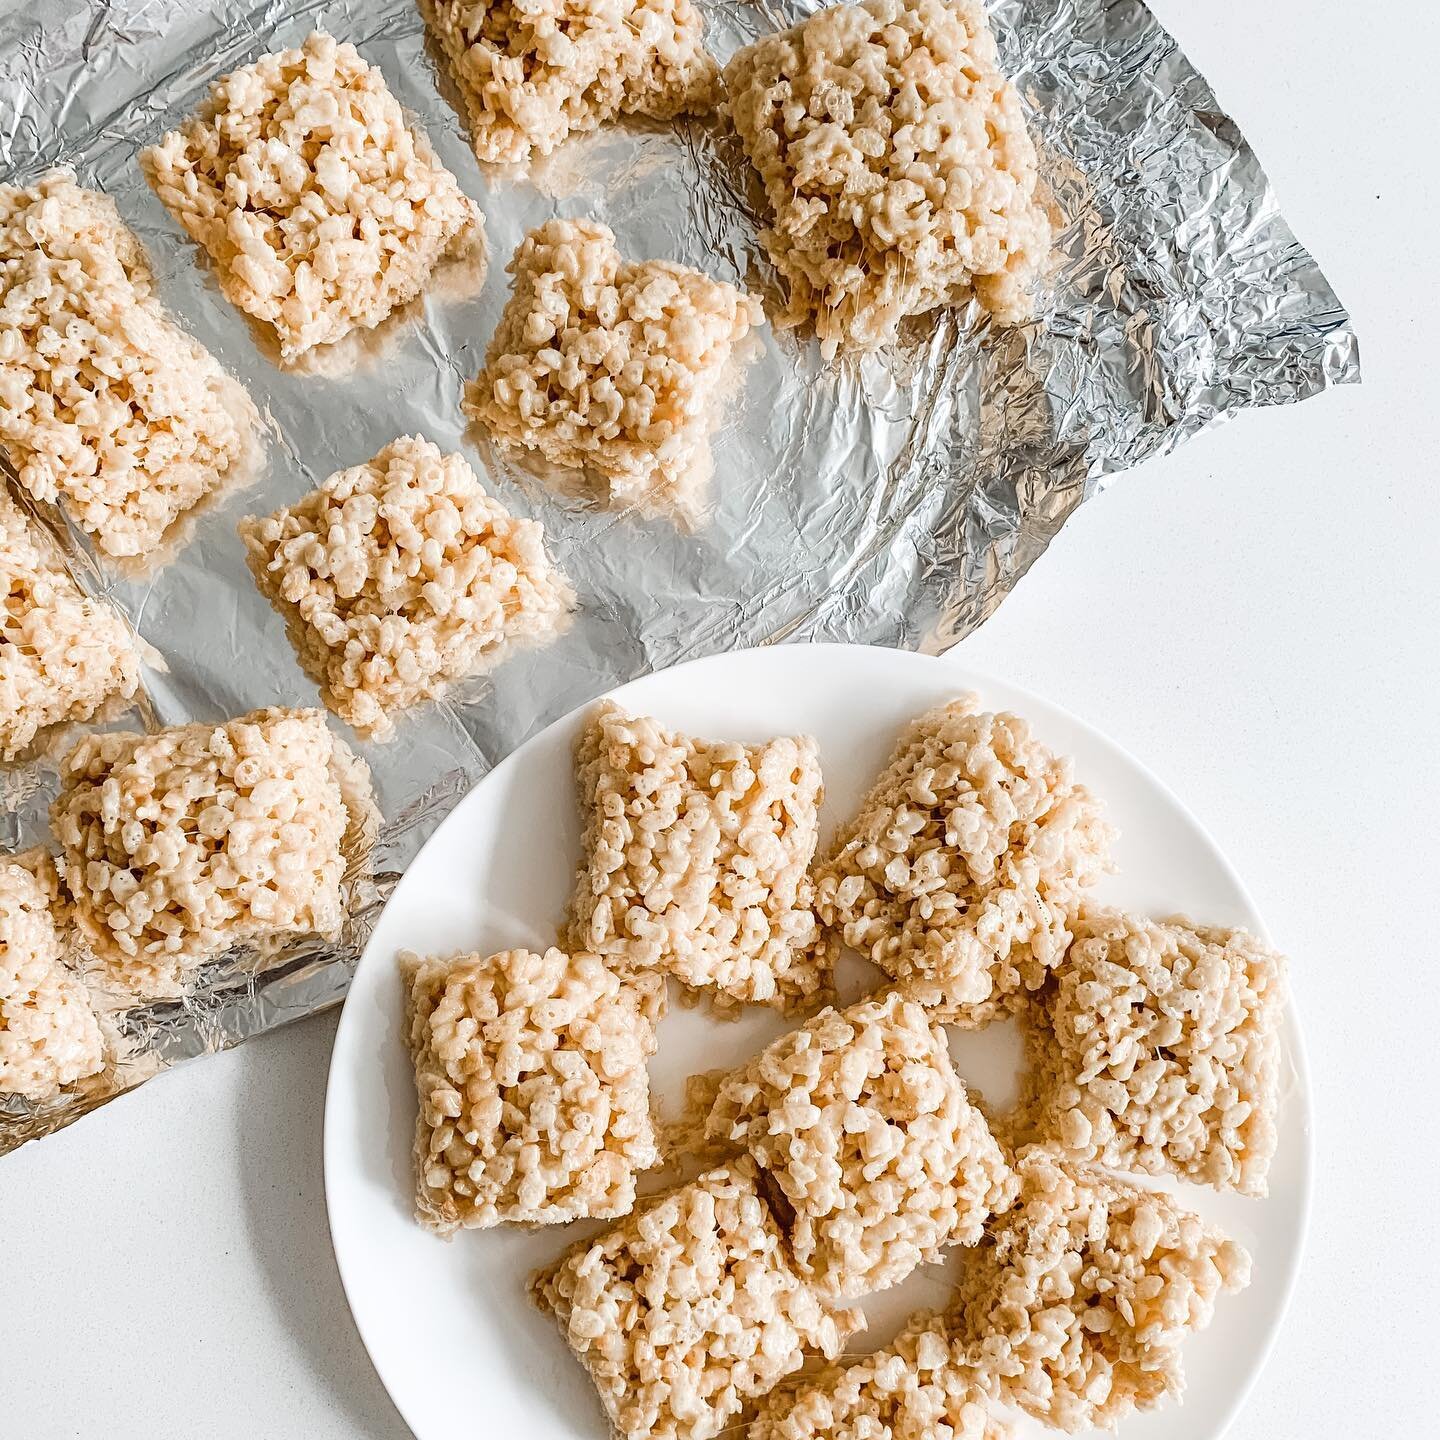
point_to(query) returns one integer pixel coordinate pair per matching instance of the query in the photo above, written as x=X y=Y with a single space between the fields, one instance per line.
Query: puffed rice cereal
x=320 y=208
x=899 y=173
x=401 y=575
x=689 y=1308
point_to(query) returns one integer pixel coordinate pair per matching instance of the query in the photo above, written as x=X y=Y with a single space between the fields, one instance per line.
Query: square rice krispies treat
x=534 y=1099
x=862 y=1123
x=689 y=1308
x=401 y=575
x=179 y=845
x=695 y=859
x=49 y=1036
x=62 y=654
x=531 y=72
x=610 y=367
x=105 y=405
x=1078 y=1305
x=897 y=167
x=321 y=209
x=967 y=863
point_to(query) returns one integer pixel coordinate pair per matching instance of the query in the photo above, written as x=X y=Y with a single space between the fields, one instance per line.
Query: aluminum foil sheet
x=893 y=501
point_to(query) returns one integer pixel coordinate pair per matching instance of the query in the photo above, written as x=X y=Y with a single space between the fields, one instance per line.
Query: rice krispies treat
x=689 y=1308
x=320 y=208
x=861 y=1121
x=695 y=857
x=531 y=72
x=105 y=405
x=534 y=1099
x=401 y=575
x=611 y=367
x=967 y=863
x=895 y=160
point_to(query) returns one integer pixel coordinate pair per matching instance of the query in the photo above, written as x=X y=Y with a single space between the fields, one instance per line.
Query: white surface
x=1257 y=618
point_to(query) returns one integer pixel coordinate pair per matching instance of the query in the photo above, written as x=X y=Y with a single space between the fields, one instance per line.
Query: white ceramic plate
x=447 y=1325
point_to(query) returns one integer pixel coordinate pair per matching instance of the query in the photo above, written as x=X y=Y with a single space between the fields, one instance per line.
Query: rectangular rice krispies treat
x=321 y=209
x=531 y=72
x=105 y=405
x=610 y=367
x=695 y=859
x=63 y=656
x=967 y=863
x=689 y=1308
x=401 y=575
x=534 y=1098
x=895 y=160
x=861 y=1121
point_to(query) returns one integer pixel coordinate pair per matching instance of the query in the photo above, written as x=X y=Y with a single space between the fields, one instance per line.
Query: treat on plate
x=611 y=368
x=534 y=1099
x=320 y=208
x=400 y=576
x=530 y=74
x=965 y=868
x=695 y=857
x=62 y=654
x=896 y=164
x=689 y=1308
x=105 y=405
x=178 y=845
x=860 y=1120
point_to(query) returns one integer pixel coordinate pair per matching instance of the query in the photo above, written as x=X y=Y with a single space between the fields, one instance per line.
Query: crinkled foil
x=893 y=501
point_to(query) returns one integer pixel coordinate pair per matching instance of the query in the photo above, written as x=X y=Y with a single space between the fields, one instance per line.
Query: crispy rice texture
x=531 y=72
x=534 y=1099
x=321 y=209
x=965 y=868
x=896 y=164
x=689 y=1308
x=105 y=405
x=695 y=857
x=62 y=654
x=610 y=367
x=399 y=576
x=861 y=1121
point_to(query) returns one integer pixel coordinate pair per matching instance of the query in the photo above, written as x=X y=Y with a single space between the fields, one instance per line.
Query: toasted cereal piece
x=531 y=72
x=861 y=1121
x=179 y=845
x=967 y=863
x=689 y=1308
x=62 y=654
x=534 y=1100
x=105 y=405
x=320 y=208
x=401 y=575
x=695 y=859
x=611 y=367
x=897 y=167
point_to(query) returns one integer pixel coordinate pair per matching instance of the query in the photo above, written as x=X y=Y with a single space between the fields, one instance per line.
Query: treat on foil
x=610 y=367
x=105 y=405
x=695 y=857
x=401 y=575
x=896 y=165
x=534 y=1098
x=320 y=208
x=689 y=1308
x=531 y=72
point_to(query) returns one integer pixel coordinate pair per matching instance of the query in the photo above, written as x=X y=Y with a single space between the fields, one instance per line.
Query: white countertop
x=1256 y=617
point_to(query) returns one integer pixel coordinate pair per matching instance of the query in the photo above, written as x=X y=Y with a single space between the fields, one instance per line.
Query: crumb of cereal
x=321 y=209
x=611 y=367
x=401 y=575
x=531 y=72
x=689 y=1308
x=898 y=170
